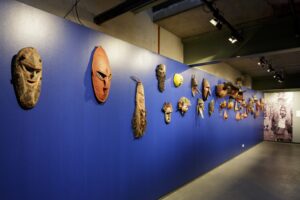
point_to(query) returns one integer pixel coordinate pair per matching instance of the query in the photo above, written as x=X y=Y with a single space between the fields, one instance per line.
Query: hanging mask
x=101 y=74
x=205 y=89
x=225 y=115
x=167 y=109
x=183 y=105
x=238 y=116
x=161 y=76
x=178 y=80
x=211 y=107
x=230 y=104
x=139 y=121
x=200 y=108
x=194 y=85
x=221 y=90
x=223 y=104
x=27 y=77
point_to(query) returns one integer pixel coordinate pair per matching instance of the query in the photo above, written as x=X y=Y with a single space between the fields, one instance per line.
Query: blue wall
x=70 y=147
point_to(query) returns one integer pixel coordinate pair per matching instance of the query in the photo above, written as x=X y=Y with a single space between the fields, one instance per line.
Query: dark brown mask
x=194 y=84
x=161 y=76
x=27 y=76
x=101 y=74
x=205 y=89
x=167 y=109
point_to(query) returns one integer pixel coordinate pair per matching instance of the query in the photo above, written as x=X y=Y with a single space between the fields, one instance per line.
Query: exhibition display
x=27 y=76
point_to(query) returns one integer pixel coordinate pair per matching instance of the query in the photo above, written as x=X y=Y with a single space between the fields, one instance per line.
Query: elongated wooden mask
x=139 y=121
x=101 y=74
x=27 y=76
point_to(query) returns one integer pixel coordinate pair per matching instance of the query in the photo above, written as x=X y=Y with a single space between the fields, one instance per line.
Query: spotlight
x=262 y=62
x=217 y=23
x=235 y=37
x=270 y=69
x=232 y=39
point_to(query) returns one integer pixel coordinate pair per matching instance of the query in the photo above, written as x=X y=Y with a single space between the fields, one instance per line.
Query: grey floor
x=268 y=171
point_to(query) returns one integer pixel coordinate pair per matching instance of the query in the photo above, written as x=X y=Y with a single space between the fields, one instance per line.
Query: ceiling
x=289 y=62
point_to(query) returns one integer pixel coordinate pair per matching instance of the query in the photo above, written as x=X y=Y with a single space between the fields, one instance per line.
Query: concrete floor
x=268 y=171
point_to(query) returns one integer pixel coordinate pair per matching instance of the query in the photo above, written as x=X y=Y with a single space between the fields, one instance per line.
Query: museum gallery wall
x=129 y=141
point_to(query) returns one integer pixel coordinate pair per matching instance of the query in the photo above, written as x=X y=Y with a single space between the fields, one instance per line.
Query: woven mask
x=183 y=105
x=178 y=80
x=167 y=109
x=205 y=89
x=27 y=76
x=161 y=76
x=101 y=74
x=139 y=120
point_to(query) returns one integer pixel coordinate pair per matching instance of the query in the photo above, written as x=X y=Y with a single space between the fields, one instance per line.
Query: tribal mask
x=178 y=80
x=200 y=107
x=211 y=107
x=183 y=105
x=221 y=90
x=27 y=77
x=194 y=83
x=101 y=74
x=205 y=89
x=167 y=109
x=161 y=76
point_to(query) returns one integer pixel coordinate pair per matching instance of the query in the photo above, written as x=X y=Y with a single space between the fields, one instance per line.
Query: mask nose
x=32 y=75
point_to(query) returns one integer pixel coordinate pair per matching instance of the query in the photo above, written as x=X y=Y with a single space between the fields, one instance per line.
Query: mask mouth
x=31 y=81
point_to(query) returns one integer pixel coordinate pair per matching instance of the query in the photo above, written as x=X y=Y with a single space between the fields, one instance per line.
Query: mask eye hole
x=101 y=75
x=29 y=69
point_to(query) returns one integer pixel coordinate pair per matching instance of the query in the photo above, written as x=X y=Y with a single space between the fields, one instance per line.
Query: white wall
x=137 y=29
x=296 y=120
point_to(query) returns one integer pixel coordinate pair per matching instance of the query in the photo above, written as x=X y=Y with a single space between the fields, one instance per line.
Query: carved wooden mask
x=161 y=76
x=101 y=74
x=167 y=109
x=27 y=76
x=205 y=89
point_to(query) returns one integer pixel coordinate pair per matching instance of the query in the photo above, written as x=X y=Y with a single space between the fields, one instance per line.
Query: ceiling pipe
x=120 y=9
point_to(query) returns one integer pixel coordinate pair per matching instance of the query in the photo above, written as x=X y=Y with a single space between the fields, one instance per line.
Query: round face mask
x=101 y=74
x=178 y=80
x=27 y=77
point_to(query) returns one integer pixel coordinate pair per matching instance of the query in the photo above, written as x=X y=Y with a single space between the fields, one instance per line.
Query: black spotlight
x=235 y=37
x=216 y=22
x=270 y=69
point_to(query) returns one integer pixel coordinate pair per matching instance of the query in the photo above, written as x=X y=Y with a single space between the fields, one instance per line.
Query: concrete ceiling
x=289 y=62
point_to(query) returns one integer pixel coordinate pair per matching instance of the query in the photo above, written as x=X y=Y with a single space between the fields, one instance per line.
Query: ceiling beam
x=174 y=7
x=121 y=9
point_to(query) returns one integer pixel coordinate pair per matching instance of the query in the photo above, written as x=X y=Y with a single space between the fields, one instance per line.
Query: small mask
x=238 y=116
x=167 y=109
x=211 y=107
x=221 y=90
x=194 y=84
x=101 y=74
x=205 y=89
x=200 y=108
x=178 y=80
x=230 y=104
x=183 y=105
x=223 y=104
x=27 y=77
x=225 y=115
x=161 y=76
